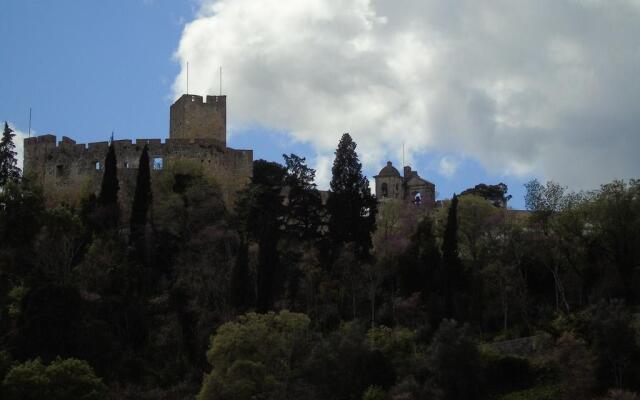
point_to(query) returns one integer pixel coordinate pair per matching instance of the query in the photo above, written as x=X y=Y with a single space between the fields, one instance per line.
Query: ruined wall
x=65 y=169
x=192 y=118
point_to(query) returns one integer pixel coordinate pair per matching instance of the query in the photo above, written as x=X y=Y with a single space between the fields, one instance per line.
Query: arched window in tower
x=384 y=189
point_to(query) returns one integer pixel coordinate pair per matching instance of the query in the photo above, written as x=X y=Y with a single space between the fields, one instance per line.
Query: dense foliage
x=296 y=294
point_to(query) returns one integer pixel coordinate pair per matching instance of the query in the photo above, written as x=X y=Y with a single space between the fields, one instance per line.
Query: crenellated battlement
x=193 y=118
x=197 y=134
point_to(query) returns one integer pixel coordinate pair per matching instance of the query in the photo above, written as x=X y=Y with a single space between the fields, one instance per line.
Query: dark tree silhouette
x=451 y=272
x=241 y=287
x=141 y=203
x=260 y=212
x=352 y=209
x=108 y=209
x=304 y=206
x=9 y=170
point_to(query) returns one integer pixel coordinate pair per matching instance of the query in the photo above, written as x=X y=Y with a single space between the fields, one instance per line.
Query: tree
x=110 y=186
x=352 y=209
x=260 y=212
x=255 y=356
x=9 y=170
x=495 y=194
x=421 y=262
x=108 y=209
x=452 y=266
x=614 y=219
x=548 y=203
x=342 y=366
x=61 y=380
x=141 y=203
x=454 y=361
x=613 y=340
x=304 y=206
x=241 y=287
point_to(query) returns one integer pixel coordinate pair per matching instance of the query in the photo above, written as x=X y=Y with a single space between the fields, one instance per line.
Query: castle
x=410 y=187
x=197 y=133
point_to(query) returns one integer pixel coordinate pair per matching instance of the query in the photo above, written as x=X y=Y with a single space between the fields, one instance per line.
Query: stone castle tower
x=191 y=118
x=197 y=134
x=410 y=187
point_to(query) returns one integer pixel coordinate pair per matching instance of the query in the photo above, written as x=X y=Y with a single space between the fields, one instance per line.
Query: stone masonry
x=197 y=135
x=410 y=187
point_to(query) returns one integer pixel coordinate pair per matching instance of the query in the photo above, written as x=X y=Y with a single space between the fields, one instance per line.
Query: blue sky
x=91 y=67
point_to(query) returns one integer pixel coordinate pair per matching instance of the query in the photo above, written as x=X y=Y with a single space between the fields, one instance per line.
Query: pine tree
x=352 y=209
x=108 y=209
x=9 y=170
x=304 y=207
x=451 y=272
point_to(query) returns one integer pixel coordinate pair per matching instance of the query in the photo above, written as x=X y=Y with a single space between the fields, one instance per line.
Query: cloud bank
x=543 y=87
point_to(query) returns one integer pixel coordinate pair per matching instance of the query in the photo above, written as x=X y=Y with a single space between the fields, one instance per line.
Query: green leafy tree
x=613 y=340
x=351 y=207
x=255 y=356
x=375 y=393
x=454 y=362
x=342 y=366
x=496 y=194
x=9 y=170
x=614 y=222
x=61 y=380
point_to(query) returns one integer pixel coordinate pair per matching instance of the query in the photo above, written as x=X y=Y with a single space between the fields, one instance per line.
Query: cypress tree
x=140 y=208
x=260 y=213
x=352 y=209
x=9 y=170
x=451 y=272
x=141 y=200
x=110 y=186
x=108 y=210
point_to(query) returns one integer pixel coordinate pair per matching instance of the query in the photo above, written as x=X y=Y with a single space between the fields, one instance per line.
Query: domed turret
x=388 y=171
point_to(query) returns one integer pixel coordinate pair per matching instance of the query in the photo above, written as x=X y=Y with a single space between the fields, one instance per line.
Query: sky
x=474 y=92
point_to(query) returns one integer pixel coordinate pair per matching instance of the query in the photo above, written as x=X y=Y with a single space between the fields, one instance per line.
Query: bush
x=375 y=393
x=61 y=380
x=543 y=392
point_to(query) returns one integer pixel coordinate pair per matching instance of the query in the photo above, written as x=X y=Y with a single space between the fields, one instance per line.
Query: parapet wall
x=66 y=166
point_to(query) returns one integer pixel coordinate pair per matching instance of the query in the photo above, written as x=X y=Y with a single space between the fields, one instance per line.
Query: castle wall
x=192 y=118
x=65 y=169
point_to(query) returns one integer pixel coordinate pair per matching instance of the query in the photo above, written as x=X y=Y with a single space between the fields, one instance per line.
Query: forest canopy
x=293 y=294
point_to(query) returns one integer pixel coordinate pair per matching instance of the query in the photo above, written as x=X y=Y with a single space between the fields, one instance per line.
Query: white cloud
x=323 y=166
x=448 y=166
x=546 y=87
